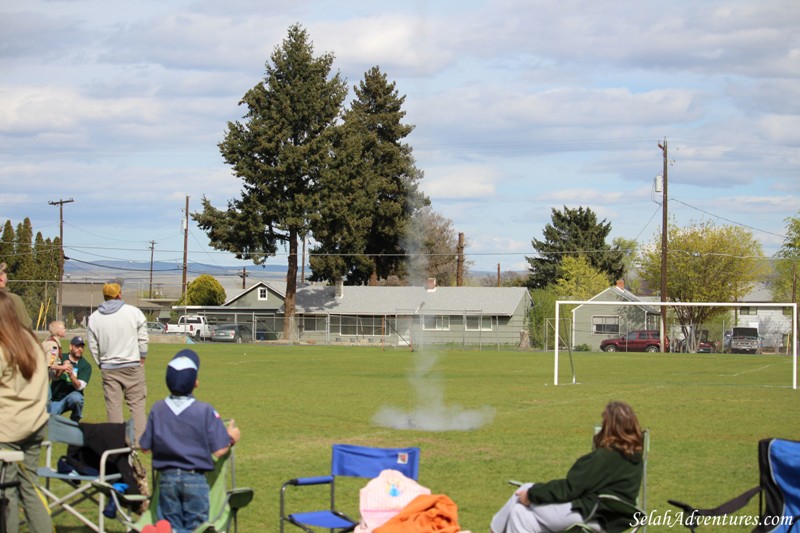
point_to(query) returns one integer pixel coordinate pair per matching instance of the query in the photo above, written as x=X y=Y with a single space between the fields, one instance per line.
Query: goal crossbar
x=661 y=305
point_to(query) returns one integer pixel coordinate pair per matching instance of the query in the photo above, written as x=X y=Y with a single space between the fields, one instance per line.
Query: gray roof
x=366 y=300
x=278 y=287
x=625 y=295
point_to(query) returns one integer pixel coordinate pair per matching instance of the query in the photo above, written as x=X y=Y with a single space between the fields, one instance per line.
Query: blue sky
x=520 y=106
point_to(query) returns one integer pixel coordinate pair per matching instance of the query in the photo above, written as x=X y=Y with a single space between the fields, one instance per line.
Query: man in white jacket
x=118 y=341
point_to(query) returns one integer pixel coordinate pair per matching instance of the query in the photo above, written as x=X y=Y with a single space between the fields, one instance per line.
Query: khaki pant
x=36 y=513
x=128 y=384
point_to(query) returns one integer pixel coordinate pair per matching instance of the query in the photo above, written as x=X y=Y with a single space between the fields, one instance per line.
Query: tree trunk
x=291 y=289
x=373 y=278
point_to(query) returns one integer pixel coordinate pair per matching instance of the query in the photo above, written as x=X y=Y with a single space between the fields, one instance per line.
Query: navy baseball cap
x=182 y=372
x=77 y=341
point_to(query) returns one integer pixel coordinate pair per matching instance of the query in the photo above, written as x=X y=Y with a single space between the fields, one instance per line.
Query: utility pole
x=185 y=248
x=664 y=242
x=303 y=264
x=460 y=260
x=152 y=250
x=59 y=293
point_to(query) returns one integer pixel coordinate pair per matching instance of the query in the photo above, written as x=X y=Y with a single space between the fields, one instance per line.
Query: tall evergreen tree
x=390 y=177
x=7 y=245
x=279 y=152
x=340 y=232
x=24 y=272
x=573 y=232
x=46 y=254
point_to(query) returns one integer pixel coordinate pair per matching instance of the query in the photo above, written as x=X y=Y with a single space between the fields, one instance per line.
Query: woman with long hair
x=23 y=415
x=614 y=467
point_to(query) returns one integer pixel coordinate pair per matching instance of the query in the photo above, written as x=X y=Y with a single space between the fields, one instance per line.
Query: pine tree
x=573 y=232
x=279 y=152
x=375 y=117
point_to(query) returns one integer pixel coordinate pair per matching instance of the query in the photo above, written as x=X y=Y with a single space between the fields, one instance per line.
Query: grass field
x=705 y=414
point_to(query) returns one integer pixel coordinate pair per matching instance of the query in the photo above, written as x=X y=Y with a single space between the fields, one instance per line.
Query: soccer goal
x=607 y=303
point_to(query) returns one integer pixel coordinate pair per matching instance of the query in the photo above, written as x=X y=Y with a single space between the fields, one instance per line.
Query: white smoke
x=431 y=413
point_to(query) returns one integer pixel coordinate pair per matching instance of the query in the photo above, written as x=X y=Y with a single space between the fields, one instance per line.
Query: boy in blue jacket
x=183 y=434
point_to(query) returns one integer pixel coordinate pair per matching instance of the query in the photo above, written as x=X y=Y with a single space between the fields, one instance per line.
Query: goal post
x=662 y=305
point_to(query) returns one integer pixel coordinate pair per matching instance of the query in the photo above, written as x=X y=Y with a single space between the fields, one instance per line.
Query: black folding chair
x=778 y=490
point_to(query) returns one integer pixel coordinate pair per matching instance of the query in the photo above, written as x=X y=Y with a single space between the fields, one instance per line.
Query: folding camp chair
x=225 y=500
x=80 y=489
x=778 y=490
x=611 y=504
x=350 y=461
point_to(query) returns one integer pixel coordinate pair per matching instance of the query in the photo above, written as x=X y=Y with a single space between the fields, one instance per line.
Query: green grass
x=705 y=414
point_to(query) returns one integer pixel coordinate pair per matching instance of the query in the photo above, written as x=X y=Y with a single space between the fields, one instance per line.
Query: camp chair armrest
x=48 y=447
x=106 y=455
x=614 y=503
x=239 y=498
x=317 y=480
x=110 y=492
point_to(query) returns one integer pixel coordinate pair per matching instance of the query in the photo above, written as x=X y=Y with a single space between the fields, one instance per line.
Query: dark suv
x=642 y=340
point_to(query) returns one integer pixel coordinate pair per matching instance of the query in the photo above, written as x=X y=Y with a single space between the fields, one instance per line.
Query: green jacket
x=603 y=471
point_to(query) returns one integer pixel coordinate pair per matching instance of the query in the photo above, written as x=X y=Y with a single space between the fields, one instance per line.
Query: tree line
x=33 y=268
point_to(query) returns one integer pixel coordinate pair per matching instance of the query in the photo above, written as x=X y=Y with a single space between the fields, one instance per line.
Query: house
x=81 y=298
x=774 y=323
x=593 y=323
x=387 y=315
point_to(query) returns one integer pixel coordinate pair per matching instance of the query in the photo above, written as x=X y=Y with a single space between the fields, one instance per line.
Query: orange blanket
x=427 y=513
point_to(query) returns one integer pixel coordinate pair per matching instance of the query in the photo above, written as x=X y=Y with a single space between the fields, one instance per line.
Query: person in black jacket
x=615 y=466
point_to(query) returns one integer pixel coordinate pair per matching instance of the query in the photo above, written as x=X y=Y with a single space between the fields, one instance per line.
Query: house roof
x=277 y=287
x=366 y=300
x=624 y=294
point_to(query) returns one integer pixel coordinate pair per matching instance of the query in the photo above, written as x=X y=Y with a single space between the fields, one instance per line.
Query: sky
x=519 y=107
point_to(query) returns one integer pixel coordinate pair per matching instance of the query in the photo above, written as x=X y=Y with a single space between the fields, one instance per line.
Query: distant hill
x=161 y=269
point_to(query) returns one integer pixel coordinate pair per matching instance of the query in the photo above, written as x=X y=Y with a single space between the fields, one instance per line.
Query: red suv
x=642 y=340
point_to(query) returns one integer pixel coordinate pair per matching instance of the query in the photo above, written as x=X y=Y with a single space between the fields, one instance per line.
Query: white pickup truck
x=192 y=325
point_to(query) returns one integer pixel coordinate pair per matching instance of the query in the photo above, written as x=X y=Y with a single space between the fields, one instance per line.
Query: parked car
x=642 y=340
x=193 y=325
x=742 y=340
x=707 y=347
x=232 y=333
x=155 y=327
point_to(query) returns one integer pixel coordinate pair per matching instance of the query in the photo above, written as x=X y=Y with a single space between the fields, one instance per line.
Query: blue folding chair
x=351 y=461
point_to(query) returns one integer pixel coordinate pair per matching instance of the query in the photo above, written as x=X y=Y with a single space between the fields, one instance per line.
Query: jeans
x=72 y=402
x=182 y=499
x=36 y=514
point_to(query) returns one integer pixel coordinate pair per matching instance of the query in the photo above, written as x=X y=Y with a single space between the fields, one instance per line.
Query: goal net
x=662 y=305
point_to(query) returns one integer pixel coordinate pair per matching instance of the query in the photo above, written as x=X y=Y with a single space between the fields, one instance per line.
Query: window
x=436 y=323
x=478 y=323
x=314 y=323
x=748 y=310
x=354 y=325
x=263 y=293
x=604 y=325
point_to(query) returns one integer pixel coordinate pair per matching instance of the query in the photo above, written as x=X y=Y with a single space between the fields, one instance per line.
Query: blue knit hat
x=182 y=372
